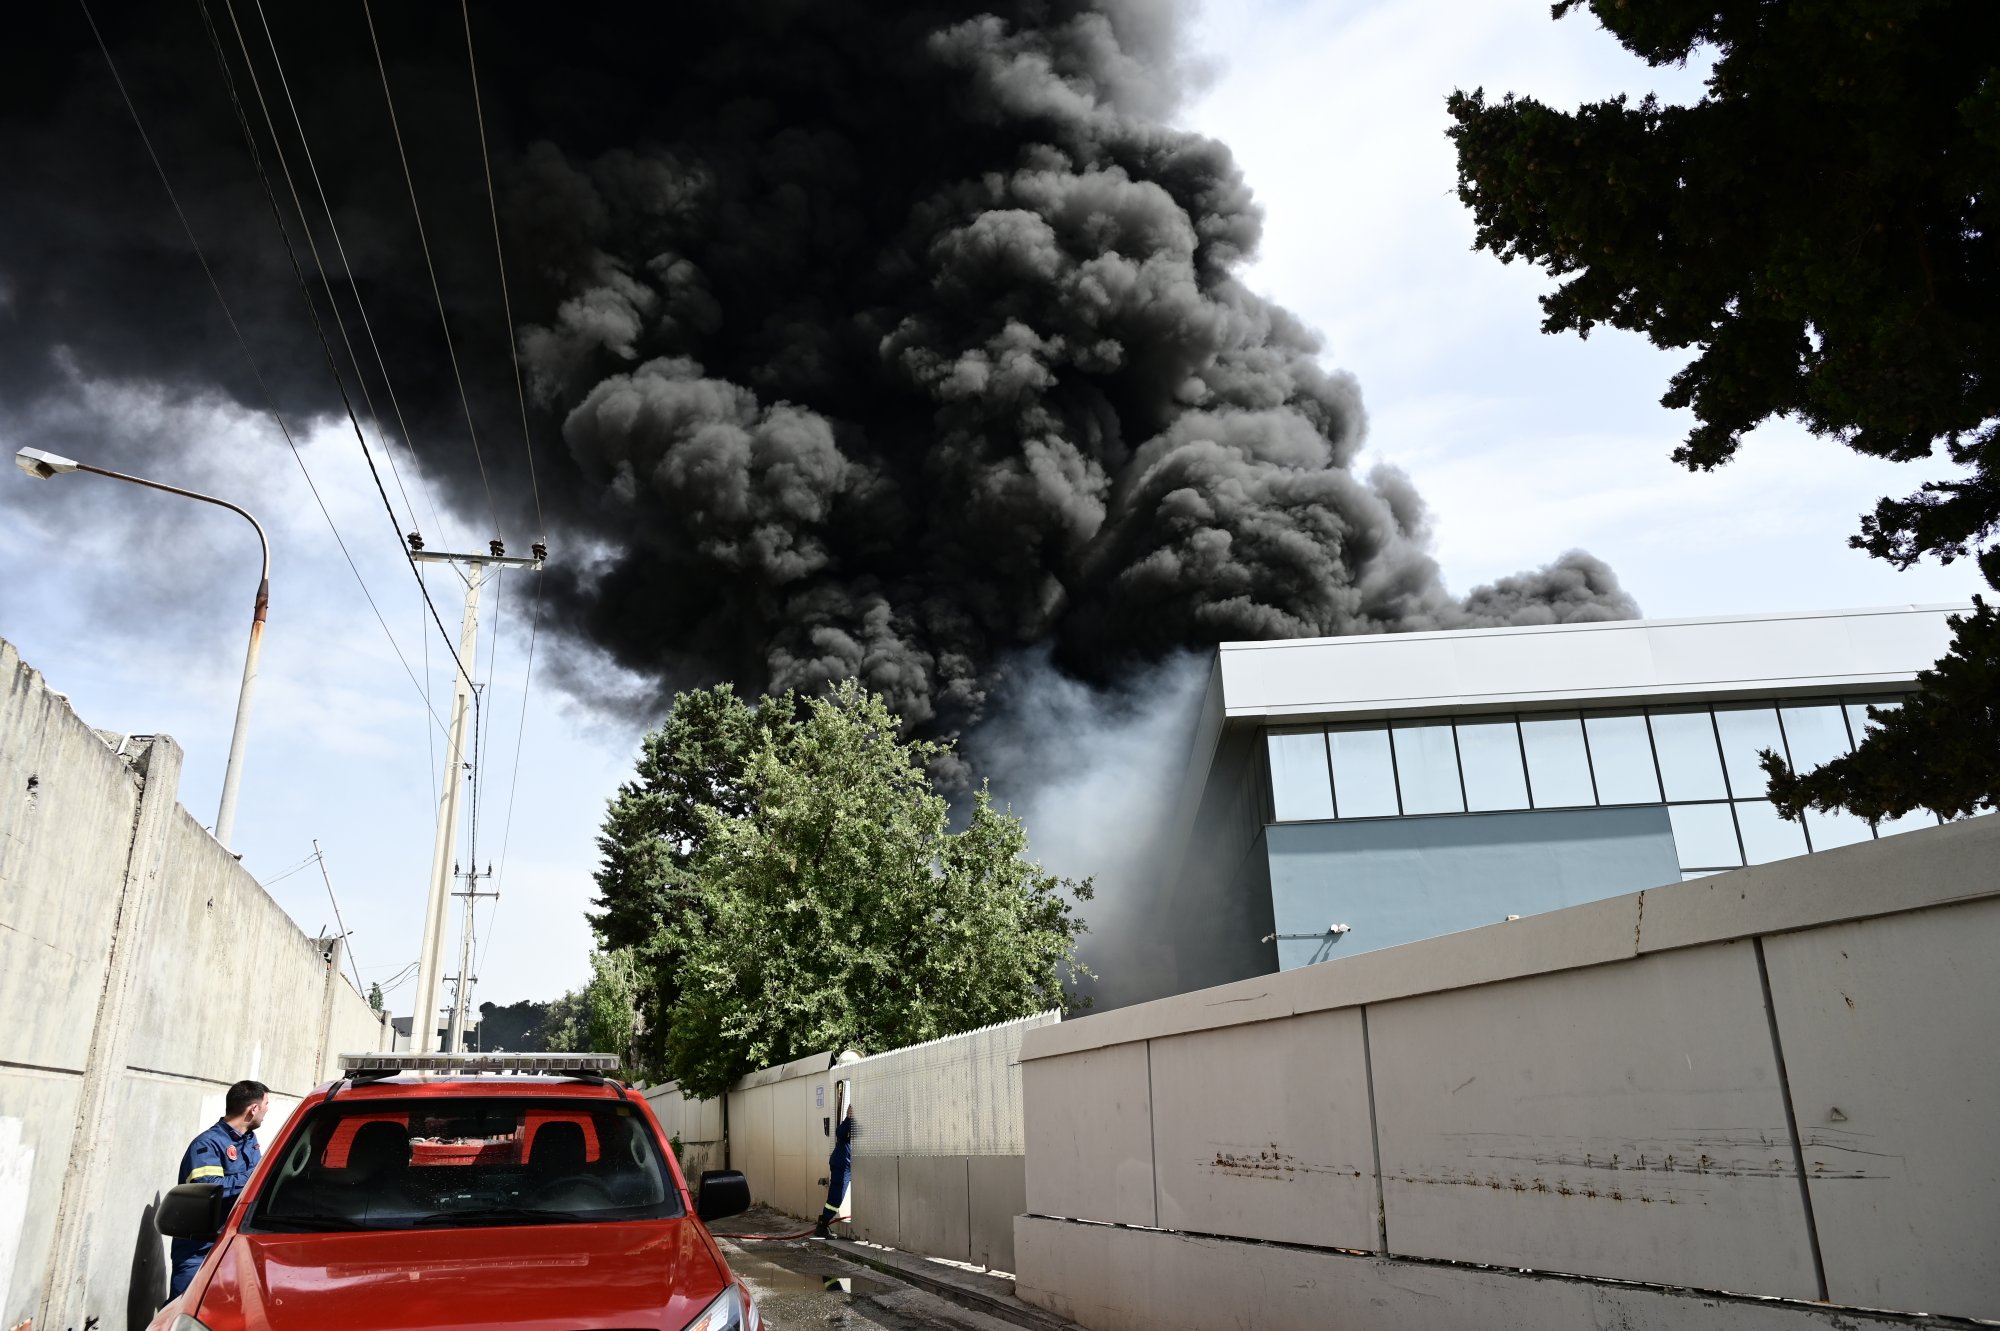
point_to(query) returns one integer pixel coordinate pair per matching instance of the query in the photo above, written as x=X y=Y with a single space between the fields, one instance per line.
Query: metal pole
x=423 y=1020
x=232 y=775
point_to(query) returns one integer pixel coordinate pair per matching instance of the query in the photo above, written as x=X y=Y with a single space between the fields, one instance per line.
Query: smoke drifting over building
x=885 y=341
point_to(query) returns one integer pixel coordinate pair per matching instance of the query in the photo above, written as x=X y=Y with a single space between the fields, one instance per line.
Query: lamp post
x=42 y=465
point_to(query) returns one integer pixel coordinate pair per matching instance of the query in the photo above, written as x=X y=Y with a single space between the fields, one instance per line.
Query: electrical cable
x=312 y=309
x=256 y=372
x=340 y=248
x=424 y=242
x=527 y=445
x=338 y=923
x=300 y=867
x=500 y=257
x=514 y=783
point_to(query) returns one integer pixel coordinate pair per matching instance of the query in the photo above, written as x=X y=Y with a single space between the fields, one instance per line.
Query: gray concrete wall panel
x=37 y=1121
x=67 y=803
x=795 y=1193
x=224 y=946
x=934 y=1206
x=1625 y=1122
x=998 y=1192
x=1263 y=1131
x=877 y=1200
x=1895 y=1112
x=1093 y=1161
x=1112 y=1279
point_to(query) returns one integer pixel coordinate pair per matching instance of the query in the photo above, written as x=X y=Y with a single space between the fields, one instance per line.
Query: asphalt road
x=803 y=1284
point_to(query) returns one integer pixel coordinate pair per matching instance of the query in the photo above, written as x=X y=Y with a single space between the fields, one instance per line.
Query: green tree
x=1822 y=230
x=375 y=998
x=565 y=1026
x=824 y=901
x=610 y=1006
x=654 y=829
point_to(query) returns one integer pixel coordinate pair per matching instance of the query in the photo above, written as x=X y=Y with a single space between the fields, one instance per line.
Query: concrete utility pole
x=461 y=1000
x=423 y=1018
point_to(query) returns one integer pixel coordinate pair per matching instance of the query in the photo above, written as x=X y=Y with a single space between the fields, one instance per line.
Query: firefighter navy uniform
x=219 y=1155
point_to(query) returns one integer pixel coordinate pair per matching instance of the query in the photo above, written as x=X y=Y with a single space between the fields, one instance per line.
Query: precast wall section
x=1759 y=1100
x=939 y=1144
x=695 y=1124
x=128 y=939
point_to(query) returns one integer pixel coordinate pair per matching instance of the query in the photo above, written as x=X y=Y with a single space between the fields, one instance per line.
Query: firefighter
x=226 y=1153
x=840 y=1162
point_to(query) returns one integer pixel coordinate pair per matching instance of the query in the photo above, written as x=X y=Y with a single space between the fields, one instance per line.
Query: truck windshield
x=390 y=1164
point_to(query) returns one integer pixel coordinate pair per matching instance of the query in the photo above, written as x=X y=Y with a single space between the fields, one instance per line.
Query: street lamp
x=43 y=465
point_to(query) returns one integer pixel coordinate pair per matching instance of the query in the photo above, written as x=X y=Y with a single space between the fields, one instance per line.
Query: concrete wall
x=1762 y=1098
x=696 y=1124
x=142 y=970
x=938 y=1146
x=775 y=1136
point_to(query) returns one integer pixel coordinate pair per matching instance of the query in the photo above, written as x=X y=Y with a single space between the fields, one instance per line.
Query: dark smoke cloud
x=879 y=341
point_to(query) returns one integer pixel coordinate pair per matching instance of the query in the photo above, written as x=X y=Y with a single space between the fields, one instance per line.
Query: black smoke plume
x=883 y=340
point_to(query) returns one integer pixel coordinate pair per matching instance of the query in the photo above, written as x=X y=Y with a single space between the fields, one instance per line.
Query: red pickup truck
x=528 y=1192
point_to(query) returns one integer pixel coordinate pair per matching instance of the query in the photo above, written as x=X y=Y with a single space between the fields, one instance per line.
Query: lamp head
x=41 y=464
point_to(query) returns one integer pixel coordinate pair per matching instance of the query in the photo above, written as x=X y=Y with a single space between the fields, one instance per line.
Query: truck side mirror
x=724 y=1192
x=192 y=1211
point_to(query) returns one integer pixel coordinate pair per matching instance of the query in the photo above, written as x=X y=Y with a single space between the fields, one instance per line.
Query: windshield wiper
x=312 y=1224
x=500 y=1215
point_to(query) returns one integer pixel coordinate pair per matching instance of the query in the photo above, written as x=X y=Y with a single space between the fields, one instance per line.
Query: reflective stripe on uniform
x=204 y=1171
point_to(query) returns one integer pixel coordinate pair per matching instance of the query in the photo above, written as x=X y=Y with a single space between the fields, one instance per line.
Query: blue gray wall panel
x=1397 y=880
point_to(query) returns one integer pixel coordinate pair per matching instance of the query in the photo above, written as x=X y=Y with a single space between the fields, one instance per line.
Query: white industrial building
x=1348 y=794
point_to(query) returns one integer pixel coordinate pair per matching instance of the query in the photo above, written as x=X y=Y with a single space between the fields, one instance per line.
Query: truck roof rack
x=363 y=1068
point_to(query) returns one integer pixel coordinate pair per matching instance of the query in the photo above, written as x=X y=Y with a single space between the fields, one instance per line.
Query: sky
x=1523 y=445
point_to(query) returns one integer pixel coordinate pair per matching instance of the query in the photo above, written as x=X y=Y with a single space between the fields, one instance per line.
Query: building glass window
x=1815 y=735
x=1299 y=787
x=1704 y=836
x=1690 y=764
x=1835 y=828
x=1558 y=767
x=1766 y=836
x=1427 y=768
x=1857 y=715
x=1489 y=753
x=1746 y=732
x=1364 y=775
x=1621 y=758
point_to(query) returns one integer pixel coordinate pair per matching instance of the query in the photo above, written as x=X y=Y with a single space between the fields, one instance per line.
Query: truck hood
x=652 y=1274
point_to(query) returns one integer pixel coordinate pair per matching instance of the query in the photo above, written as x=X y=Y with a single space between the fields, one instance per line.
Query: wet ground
x=804 y=1284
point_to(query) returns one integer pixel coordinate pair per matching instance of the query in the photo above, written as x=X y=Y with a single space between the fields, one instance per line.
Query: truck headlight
x=733 y=1310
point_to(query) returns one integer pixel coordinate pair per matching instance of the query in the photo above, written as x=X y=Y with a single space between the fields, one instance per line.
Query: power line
x=300 y=867
x=338 y=923
x=270 y=399
x=423 y=242
x=514 y=782
x=312 y=309
x=500 y=257
x=340 y=247
x=527 y=445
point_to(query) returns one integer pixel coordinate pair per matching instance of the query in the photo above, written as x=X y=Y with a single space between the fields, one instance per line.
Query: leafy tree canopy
x=1822 y=230
x=805 y=890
